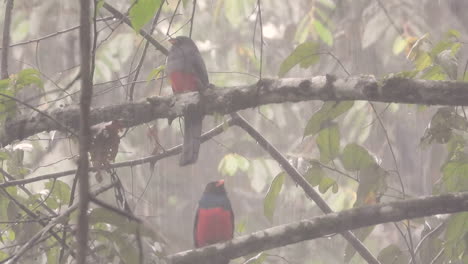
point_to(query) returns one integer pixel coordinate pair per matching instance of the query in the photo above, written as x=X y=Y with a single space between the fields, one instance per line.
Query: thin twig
x=172 y=18
x=143 y=54
x=59 y=219
x=153 y=158
x=55 y=34
x=142 y=32
x=193 y=17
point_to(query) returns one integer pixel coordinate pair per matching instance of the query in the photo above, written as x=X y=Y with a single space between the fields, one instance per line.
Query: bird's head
x=183 y=42
x=215 y=187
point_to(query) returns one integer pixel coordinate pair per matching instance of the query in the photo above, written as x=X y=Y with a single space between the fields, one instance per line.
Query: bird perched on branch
x=214 y=219
x=187 y=73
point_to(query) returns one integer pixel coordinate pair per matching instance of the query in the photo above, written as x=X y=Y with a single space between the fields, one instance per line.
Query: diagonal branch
x=299 y=180
x=59 y=219
x=225 y=100
x=142 y=32
x=321 y=226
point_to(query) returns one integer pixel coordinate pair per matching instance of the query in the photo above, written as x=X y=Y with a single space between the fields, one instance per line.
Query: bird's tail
x=193 y=120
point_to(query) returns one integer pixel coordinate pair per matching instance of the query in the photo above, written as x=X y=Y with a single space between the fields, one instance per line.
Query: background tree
x=357 y=153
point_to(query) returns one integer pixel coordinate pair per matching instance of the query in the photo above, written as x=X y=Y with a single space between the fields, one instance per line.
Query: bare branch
x=267 y=91
x=325 y=225
x=153 y=158
x=6 y=39
x=85 y=131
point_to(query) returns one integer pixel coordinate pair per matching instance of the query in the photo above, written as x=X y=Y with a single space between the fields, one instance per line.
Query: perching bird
x=214 y=219
x=187 y=73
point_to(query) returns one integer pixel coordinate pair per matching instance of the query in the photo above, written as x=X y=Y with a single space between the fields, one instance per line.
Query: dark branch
x=85 y=131
x=6 y=39
x=267 y=91
x=316 y=227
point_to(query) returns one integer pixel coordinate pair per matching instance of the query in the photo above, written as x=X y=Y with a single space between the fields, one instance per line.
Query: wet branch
x=85 y=131
x=299 y=180
x=226 y=100
x=320 y=226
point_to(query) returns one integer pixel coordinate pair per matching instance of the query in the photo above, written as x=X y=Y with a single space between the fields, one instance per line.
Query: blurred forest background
x=343 y=36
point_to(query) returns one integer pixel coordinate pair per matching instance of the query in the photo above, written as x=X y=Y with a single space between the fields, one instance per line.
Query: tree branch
x=325 y=225
x=85 y=131
x=299 y=180
x=142 y=32
x=231 y=99
x=59 y=219
x=153 y=158
x=6 y=39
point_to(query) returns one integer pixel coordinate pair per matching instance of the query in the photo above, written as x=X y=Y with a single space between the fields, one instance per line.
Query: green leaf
x=154 y=74
x=355 y=157
x=306 y=54
x=454 y=33
x=314 y=174
x=323 y=32
x=142 y=12
x=399 y=45
x=4 y=84
x=457 y=228
x=455 y=176
x=59 y=193
x=233 y=162
x=372 y=185
x=99 y=5
x=269 y=203
x=328 y=111
x=392 y=254
x=435 y=73
x=27 y=77
x=328 y=142
x=423 y=61
x=326 y=183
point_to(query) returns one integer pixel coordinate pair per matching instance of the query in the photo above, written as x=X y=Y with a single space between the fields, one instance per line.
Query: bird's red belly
x=183 y=82
x=214 y=225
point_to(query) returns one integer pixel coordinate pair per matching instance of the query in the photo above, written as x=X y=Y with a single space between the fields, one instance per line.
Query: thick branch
x=231 y=99
x=325 y=225
x=85 y=131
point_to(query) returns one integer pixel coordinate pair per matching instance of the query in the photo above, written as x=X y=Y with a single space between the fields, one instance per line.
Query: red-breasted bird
x=214 y=220
x=187 y=73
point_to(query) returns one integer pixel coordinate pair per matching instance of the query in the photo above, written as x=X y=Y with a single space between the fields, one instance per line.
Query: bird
x=214 y=219
x=187 y=72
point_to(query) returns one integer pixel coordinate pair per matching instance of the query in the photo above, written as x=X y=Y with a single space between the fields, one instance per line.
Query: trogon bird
x=214 y=219
x=186 y=71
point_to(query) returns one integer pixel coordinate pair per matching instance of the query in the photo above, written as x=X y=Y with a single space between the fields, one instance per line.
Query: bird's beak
x=172 y=41
x=220 y=183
